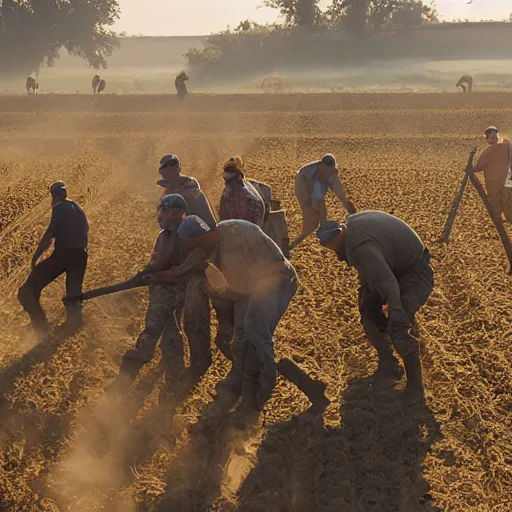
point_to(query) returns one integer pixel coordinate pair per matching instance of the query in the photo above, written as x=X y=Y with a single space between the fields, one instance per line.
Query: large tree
x=32 y=32
x=302 y=13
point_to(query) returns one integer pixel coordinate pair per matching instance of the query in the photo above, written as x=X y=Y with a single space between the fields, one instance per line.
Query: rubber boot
x=408 y=349
x=389 y=368
x=313 y=389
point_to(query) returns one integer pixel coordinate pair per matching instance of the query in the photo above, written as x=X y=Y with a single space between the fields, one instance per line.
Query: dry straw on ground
x=65 y=446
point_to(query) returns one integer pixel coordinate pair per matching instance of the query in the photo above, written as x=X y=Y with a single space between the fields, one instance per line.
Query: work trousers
x=416 y=285
x=72 y=262
x=312 y=216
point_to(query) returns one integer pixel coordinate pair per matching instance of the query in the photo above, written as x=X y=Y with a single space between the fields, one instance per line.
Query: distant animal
x=98 y=84
x=465 y=80
x=272 y=83
x=32 y=85
x=181 y=86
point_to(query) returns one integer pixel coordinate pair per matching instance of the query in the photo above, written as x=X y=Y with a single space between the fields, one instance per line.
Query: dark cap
x=169 y=160
x=328 y=230
x=58 y=186
x=172 y=201
x=328 y=160
x=491 y=129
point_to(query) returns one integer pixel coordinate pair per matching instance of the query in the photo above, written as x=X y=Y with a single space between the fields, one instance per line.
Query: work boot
x=74 y=319
x=313 y=389
x=408 y=348
x=234 y=380
x=389 y=367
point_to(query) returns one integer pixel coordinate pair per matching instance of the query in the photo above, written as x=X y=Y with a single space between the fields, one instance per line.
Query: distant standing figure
x=69 y=228
x=466 y=80
x=32 y=85
x=181 y=86
x=95 y=81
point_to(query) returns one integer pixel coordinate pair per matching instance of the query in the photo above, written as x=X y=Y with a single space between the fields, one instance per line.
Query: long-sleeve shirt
x=197 y=202
x=494 y=162
x=381 y=247
x=317 y=193
x=238 y=202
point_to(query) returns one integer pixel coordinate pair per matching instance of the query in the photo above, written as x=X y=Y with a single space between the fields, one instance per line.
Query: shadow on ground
x=372 y=463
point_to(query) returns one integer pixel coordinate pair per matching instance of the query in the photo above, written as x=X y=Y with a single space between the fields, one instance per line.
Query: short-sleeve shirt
x=246 y=255
x=69 y=226
x=399 y=245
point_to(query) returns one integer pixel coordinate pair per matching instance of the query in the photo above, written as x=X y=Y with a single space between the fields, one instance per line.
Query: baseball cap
x=328 y=230
x=171 y=201
x=57 y=186
x=328 y=160
x=491 y=129
x=169 y=160
x=192 y=227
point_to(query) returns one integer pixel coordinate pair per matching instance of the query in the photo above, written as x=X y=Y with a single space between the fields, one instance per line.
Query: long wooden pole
x=498 y=224
x=445 y=236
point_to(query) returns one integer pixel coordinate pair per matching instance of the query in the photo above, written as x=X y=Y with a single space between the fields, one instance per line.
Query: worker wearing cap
x=312 y=183
x=495 y=162
x=69 y=229
x=393 y=267
x=173 y=182
x=465 y=80
x=240 y=199
x=261 y=282
x=164 y=299
x=181 y=86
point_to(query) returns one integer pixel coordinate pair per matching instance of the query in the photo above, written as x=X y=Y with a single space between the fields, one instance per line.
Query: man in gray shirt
x=312 y=182
x=69 y=228
x=393 y=267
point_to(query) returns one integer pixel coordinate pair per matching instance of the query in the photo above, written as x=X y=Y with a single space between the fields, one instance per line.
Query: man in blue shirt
x=69 y=229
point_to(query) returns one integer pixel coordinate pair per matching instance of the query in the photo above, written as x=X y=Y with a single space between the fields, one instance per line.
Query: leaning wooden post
x=445 y=236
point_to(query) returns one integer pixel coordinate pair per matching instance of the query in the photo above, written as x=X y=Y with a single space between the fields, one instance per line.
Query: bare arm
x=338 y=188
x=482 y=163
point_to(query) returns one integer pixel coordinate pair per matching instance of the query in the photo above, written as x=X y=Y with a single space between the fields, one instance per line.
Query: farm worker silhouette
x=69 y=229
x=261 y=282
x=495 y=162
x=312 y=183
x=393 y=267
x=181 y=86
x=465 y=81
x=166 y=301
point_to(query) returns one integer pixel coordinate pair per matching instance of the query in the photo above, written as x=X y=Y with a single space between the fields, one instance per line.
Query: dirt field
x=65 y=446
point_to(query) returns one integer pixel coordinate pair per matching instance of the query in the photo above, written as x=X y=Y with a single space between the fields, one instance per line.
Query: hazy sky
x=201 y=17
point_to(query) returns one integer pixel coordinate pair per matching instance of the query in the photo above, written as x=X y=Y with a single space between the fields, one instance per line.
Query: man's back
x=69 y=226
x=400 y=244
x=495 y=159
x=247 y=255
